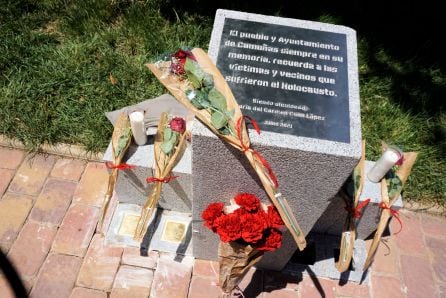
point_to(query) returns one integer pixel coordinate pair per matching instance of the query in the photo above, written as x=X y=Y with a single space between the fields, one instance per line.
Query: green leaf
x=218 y=120
x=167 y=147
x=208 y=81
x=167 y=134
x=230 y=114
x=192 y=67
x=200 y=100
x=123 y=140
x=193 y=80
x=217 y=99
x=225 y=131
x=394 y=186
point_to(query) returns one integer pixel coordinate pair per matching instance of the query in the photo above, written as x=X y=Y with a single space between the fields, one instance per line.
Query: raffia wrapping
x=235 y=260
x=163 y=167
x=348 y=236
x=178 y=87
x=403 y=173
x=121 y=139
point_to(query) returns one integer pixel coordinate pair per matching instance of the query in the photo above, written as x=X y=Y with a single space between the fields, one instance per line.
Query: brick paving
x=49 y=208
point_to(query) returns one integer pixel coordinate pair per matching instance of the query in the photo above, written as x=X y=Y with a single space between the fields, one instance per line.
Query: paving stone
x=100 y=265
x=442 y=292
x=69 y=169
x=76 y=230
x=202 y=287
x=318 y=287
x=352 y=289
x=207 y=269
x=433 y=226
x=79 y=292
x=93 y=185
x=14 y=209
x=5 y=177
x=417 y=276
x=31 y=174
x=31 y=248
x=10 y=158
x=132 y=257
x=386 y=258
x=171 y=279
x=281 y=293
x=57 y=276
x=438 y=250
x=53 y=201
x=5 y=289
x=410 y=239
x=132 y=282
x=386 y=287
x=275 y=280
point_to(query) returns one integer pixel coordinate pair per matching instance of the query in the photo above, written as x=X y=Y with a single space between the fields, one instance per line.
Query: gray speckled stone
x=310 y=171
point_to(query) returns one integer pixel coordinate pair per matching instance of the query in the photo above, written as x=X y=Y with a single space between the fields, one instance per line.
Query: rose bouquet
x=169 y=146
x=348 y=236
x=247 y=228
x=121 y=139
x=391 y=186
x=195 y=82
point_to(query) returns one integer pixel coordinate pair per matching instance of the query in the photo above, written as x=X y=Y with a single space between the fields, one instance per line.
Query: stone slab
x=169 y=231
x=324 y=265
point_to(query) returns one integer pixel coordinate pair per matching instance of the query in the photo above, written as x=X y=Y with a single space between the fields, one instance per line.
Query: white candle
x=138 y=130
x=384 y=164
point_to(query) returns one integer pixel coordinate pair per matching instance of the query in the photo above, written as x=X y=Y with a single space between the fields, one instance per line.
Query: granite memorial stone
x=299 y=80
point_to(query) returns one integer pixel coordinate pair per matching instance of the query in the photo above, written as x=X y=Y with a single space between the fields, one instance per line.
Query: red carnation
x=253 y=225
x=212 y=212
x=228 y=227
x=274 y=219
x=178 y=124
x=272 y=242
x=248 y=201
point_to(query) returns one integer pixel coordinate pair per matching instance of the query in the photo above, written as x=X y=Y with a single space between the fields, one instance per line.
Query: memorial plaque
x=291 y=80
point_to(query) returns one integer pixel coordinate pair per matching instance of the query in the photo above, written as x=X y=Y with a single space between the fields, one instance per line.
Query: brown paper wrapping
x=178 y=87
x=348 y=236
x=122 y=130
x=163 y=167
x=235 y=260
x=403 y=173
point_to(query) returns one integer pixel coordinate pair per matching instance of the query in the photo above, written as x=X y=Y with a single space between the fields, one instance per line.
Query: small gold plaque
x=173 y=231
x=128 y=225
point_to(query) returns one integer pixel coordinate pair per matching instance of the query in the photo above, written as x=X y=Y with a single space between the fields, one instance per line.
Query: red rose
x=253 y=225
x=273 y=241
x=248 y=201
x=211 y=213
x=178 y=60
x=178 y=124
x=274 y=219
x=228 y=227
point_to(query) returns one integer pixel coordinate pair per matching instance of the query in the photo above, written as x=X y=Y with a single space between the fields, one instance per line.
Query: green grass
x=56 y=58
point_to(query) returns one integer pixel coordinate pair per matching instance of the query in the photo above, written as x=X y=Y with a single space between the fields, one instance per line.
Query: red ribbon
x=394 y=213
x=121 y=166
x=357 y=211
x=162 y=180
x=245 y=148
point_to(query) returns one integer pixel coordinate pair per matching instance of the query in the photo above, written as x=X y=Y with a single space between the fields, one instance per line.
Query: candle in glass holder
x=137 y=125
x=389 y=158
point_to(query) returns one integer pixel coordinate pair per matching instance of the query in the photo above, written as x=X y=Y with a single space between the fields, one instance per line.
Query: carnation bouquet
x=348 y=236
x=170 y=143
x=194 y=81
x=391 y=186
x=247 y=228
x=121 y=139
